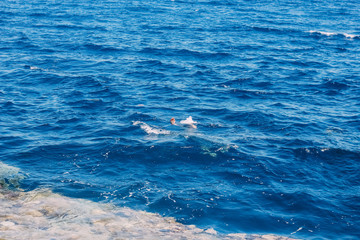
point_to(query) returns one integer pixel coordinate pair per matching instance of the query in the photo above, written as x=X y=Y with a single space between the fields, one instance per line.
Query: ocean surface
x=88 y=88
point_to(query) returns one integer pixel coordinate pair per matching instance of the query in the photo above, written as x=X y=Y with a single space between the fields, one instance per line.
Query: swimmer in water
x=187 y=123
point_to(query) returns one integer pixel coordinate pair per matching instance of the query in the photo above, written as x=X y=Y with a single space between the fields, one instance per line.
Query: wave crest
x=150 y=130
x=329 y=34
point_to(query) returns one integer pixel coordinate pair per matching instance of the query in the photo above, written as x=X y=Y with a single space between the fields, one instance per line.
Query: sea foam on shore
x=41 y=214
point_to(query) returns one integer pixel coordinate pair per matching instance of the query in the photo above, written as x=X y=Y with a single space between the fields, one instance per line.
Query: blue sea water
x=87 y=90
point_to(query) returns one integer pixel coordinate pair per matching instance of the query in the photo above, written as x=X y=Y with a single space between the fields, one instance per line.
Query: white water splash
x=150 y=130
x=189 y=122
x=335 y=34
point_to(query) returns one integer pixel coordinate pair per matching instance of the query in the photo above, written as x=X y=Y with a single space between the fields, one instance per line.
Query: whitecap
x=351 y=35
x=150 y=130
x=323 y=33
x=329 y=34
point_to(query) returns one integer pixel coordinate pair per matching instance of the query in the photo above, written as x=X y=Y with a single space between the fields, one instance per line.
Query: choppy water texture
x=87 y=90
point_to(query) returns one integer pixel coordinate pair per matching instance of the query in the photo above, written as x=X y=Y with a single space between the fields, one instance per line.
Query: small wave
x=151 y=130
x=333 y=84
x=266 y=29
x=34 y=68
x=101 y=48
x=342 y=158
x=186 y=53
x=329 y=34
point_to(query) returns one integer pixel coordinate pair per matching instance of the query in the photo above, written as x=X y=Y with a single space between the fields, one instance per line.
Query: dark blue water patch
x=328 y=156
x=39 y=14
x=239 y=82
x=150 y=75
x=10 y=108
x=255 y=93
x=103 y=49
x=88 y=104
x=271 y=30
x=138 y=116
x=186 y=54
x=333 y=84
x=10 y=143
x=254 y=118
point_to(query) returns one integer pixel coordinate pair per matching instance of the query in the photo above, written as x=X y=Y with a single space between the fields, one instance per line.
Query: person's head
x=172 y=121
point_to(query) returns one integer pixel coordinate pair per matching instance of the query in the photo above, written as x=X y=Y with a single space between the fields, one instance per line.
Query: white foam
x=334 y=34
x=350 y=35
x=189 y=121
x=324 y=33
x=150 y=130
x=41 y=214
